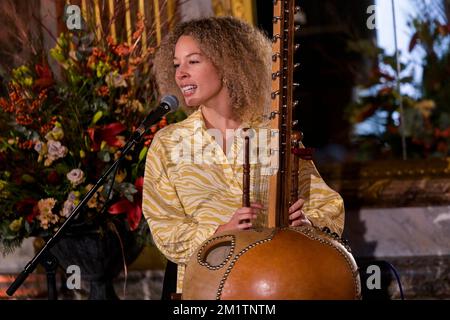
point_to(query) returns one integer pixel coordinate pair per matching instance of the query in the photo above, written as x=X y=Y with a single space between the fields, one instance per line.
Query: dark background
x=327 y=69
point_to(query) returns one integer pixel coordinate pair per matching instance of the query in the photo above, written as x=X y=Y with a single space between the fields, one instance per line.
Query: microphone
x=168 y=104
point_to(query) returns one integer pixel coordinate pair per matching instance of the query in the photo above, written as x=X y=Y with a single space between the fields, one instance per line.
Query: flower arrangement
x=426 y=118
x=59 y=131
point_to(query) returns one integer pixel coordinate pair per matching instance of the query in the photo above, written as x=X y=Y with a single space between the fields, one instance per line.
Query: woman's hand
x=297 y=216
x=242 y=218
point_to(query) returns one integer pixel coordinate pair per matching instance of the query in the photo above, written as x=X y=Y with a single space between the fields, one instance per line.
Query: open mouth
x=188 y=89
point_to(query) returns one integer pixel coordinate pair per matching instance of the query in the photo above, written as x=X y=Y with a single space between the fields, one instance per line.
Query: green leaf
x=27 y=178
x=143 y=153
x=97 y=116
x=62 y=168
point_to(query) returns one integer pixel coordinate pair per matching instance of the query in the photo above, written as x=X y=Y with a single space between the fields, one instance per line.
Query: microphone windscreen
x=171 y=101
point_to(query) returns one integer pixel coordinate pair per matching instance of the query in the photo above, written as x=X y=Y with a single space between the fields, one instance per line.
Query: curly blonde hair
x=240 y=53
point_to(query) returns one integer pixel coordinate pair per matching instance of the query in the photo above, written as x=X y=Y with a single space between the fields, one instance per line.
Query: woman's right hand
x=242 y=218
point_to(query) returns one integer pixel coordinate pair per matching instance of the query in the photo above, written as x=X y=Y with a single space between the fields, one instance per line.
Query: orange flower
x=103 y=91
x=122 y=50
x=46 y=128
x=148 y=140
x=163 y=122
x=24 y=119
x=26 y=144
x=139 y=27
x=6 y=106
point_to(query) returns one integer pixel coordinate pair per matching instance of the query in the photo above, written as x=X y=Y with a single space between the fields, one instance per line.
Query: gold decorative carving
x=237 y=7
x=221 y=7
x=150 y=10
x=394 y=183
x=242 y=9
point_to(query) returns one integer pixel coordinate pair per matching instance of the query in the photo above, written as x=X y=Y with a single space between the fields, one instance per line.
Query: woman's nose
x=181 y=73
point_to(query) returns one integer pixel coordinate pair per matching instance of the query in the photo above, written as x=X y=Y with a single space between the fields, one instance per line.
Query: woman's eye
x=176 y=66
x=193 y=61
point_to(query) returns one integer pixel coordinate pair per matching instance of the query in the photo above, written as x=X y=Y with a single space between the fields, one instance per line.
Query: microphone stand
x=44 y=256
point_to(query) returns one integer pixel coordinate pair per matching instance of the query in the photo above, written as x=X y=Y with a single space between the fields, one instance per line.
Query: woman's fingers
x=255 y=208
x=298 y=218
x=256 y=205
x=301 y=222
x=297 y=215
x=244 y=226
x=245 y=210
x=246 y=216
x=243 y=216
x=297 y=205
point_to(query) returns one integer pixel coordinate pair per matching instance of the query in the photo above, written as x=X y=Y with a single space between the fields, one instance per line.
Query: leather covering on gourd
x=272 y=263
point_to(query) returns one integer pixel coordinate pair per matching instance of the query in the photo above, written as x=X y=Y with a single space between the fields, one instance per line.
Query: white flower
x=75 y=176
x=56 y=150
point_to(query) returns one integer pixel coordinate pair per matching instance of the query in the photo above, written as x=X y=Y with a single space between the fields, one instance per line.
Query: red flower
x=53 y=177
x=45 y=78
x=27 y=207
x=132 y=209
x=106 y=133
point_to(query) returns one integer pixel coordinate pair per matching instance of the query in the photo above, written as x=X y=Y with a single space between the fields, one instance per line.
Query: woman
x=220 y=69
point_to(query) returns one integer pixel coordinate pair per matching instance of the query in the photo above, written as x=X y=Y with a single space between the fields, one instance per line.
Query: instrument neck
x=283 y=49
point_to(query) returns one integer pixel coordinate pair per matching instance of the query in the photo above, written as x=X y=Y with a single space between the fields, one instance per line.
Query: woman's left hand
x=297 y=216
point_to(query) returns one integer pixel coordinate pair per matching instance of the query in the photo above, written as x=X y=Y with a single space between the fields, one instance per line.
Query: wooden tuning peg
x=275 y=75
x=275 y=94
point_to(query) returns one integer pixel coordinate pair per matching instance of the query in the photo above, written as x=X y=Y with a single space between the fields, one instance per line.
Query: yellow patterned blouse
x=191 y=187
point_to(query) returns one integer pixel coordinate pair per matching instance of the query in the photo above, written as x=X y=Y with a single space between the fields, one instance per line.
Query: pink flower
x=56 y=150
x=75 y=176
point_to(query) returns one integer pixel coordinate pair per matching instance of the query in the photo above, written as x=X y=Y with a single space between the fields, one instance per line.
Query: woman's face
x=195 y=74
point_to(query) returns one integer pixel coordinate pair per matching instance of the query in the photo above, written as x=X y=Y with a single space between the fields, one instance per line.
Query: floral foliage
x=426 y=117
x=61 y=128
